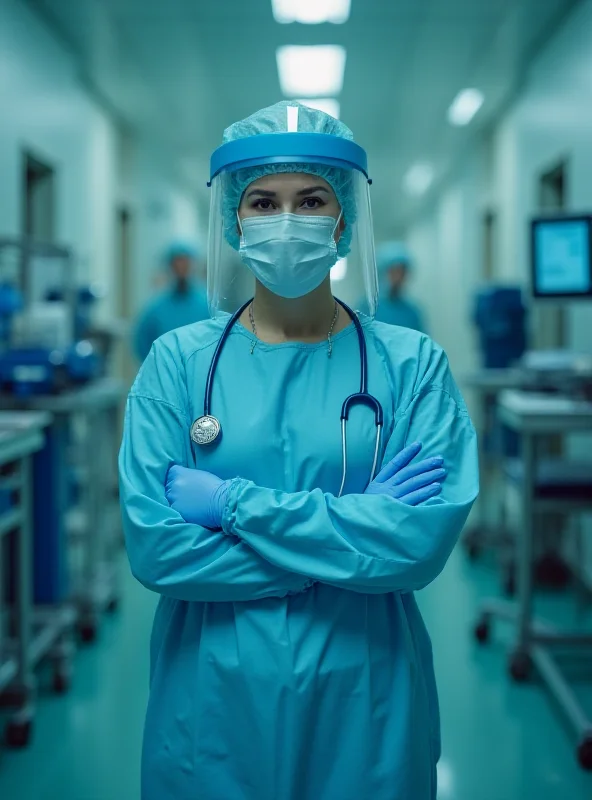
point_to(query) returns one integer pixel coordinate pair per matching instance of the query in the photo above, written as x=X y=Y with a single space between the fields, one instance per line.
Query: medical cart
x=28 y=635
x=545 y=485
x=78 y=555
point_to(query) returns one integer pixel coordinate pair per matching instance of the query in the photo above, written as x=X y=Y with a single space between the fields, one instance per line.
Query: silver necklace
x=329 y=335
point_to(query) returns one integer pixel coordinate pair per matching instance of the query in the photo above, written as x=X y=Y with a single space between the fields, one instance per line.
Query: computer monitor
x=561 y=257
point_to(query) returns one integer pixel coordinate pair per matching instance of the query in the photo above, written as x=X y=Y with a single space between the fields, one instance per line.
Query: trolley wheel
x=519 y=666
x=552 y=572
x=481 y=631
x=585 y=753
x=18 y=734
x=61 y=681
x=112 y=605
x=88 y=632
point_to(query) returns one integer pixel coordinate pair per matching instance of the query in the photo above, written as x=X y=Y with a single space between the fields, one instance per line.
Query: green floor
x=501 y=742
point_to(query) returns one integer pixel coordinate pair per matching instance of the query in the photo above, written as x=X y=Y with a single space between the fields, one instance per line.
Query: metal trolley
x=28 y=635
x=564 y=488
x=93 y=525
x=77 y=523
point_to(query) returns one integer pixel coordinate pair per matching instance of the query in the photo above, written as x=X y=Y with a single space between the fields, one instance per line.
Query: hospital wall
x=47 y=109
x=446 y=245
x=164 y=210
x=550 y=120
x=44 y=110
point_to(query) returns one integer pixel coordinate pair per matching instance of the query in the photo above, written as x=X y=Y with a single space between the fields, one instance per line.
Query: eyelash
x=317 y=200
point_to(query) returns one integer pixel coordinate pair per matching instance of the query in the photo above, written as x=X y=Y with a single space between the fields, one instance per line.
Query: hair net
x=274 y=120
x=392 y=254
x=181 y=250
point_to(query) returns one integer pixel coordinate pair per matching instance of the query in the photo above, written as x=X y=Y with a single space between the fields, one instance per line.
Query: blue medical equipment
x=500 y=316
x=11 y=302
x=206 y=429
x=49 y=353
x=85 y=300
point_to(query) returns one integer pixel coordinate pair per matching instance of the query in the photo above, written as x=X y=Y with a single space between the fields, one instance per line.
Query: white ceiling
x=183 y=70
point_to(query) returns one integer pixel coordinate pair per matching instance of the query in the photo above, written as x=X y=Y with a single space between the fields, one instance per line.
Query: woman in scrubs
x=289 y=660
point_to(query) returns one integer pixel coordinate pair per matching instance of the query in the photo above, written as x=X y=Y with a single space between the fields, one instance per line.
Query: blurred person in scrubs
x=394 y=264
x=181 y=302
x=289 y=659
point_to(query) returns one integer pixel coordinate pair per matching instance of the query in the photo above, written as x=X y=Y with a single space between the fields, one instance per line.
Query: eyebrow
x=311 y=189
x=302 y=192
x=262 y=192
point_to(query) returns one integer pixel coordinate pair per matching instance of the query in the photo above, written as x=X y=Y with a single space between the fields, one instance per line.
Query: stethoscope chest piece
x=205 y=430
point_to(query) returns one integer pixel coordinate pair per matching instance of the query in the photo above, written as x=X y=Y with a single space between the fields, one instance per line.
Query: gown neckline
x=239 y=328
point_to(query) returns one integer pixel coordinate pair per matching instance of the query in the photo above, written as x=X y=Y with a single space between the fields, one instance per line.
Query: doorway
x=489 y=223
x=125 y=363
x=549 y=320
x=38 y=192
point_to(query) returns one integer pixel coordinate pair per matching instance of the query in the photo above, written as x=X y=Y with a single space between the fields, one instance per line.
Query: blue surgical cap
x=391 y=254
x=274 y=119
x=180 y=250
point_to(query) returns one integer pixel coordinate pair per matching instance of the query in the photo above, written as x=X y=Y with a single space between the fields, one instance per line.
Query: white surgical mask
x=290 y=254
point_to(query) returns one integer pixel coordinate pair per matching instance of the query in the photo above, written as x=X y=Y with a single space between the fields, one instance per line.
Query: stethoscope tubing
x=362 y=397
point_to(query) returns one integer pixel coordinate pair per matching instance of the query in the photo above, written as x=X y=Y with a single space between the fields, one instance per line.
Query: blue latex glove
x=198 y=496
x=412 y=484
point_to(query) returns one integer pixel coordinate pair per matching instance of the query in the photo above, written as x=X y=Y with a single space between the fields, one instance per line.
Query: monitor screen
x=561 y=257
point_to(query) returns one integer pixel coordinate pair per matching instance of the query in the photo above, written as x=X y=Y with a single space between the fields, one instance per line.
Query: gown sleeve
x=167 y=554
x=372 y=543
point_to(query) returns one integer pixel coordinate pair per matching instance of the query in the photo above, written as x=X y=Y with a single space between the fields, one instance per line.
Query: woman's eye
x=312 y=202
x=264 y=205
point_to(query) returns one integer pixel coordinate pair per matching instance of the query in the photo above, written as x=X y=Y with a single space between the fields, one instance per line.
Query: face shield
x=339 y=162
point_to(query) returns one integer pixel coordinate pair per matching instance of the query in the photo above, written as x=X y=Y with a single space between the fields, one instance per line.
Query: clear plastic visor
x=353 y=278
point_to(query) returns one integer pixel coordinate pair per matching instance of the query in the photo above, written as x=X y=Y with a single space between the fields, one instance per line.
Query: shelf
x=8 y=671
x=10 y=520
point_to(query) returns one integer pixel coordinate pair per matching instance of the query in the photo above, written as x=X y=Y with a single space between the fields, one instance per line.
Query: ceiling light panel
x=311 y=71
x=311 y=12
x=464 y=106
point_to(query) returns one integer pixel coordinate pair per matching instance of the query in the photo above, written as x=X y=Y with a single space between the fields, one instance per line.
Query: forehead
x=288 y=182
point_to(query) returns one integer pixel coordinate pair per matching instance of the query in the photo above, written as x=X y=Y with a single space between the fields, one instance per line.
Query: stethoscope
x=207 y=429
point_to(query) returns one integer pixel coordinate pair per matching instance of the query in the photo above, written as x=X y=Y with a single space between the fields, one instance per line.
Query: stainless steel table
x=27 y=635
x=487 y=384
x=96 y=524
x=535 y=417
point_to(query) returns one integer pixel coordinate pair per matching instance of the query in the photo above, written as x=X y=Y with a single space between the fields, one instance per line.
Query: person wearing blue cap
x=394 y=264
x=273 y=494
x=182 y=302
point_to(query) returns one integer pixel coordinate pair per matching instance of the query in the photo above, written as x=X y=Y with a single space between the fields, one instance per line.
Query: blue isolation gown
x=168 y=310
x=400 y=311
x=289 y=660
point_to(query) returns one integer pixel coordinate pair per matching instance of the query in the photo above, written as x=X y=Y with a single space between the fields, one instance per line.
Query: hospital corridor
x=295 y=400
